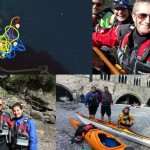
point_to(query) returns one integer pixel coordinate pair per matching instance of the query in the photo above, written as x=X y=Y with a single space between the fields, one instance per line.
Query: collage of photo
x=75 y=75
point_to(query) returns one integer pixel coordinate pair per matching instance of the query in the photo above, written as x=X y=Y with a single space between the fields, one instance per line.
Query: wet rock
x=37 y=115
x=50 y=119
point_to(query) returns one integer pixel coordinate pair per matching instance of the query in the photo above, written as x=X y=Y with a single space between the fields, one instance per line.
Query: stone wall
x=75 y=82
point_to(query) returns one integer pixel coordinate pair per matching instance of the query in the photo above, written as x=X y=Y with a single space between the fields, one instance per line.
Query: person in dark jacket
x=23 y=130
x=133 y=53
x=106 y=101
x=5 y=123
x=82 y=98
x=92 y=100
x=122 y=13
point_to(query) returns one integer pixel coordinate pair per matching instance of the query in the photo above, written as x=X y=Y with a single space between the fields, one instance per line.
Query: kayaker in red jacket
x=134 y=41
x=5 y=123
x=106 y=101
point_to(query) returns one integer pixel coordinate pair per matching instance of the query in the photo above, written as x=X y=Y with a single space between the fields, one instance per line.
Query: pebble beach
x=64 y=131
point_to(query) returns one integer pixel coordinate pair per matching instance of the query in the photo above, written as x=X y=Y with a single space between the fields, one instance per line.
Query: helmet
x=122 y=4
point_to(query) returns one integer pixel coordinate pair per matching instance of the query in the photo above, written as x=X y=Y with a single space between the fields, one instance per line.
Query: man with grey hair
x=133 y=40
x=5 y=123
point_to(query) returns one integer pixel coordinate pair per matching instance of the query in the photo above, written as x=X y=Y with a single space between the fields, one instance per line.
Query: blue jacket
x=88 y=95
x=31 y=129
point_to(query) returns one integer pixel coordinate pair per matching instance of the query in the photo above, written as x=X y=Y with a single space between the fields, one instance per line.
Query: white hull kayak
x=114 y=129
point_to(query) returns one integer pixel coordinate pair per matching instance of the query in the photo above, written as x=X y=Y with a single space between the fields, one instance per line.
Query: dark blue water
x=59 y=29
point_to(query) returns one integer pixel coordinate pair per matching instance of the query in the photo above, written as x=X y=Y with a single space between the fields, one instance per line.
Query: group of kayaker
x=93 y=100
x=130 y=34
x=18 y=133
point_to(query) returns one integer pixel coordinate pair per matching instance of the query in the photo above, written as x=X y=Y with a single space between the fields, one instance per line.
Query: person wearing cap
x=133 y=41
x=122 y=13
x=106 y=101
x=100 y=15
x=125 y=118
x=92 y=100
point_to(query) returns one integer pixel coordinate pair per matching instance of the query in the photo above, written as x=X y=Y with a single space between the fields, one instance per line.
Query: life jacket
x=126 y=118
x=137 y=59
x=106 y=98
x=93 y=100
x=4 y=127
x=82 y=128
x=20 y=135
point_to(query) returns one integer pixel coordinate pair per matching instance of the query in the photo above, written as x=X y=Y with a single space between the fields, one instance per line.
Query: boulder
x=37 y=115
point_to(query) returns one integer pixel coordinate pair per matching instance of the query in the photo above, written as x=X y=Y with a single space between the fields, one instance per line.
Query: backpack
x=93 y=100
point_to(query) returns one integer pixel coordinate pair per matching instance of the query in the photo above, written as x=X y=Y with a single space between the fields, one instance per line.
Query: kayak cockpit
x=108 y=141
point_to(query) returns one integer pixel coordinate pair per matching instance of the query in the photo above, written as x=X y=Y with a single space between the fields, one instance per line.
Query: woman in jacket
x=23 y=130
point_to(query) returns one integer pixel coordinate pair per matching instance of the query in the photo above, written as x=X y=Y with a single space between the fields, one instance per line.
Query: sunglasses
x=97 y=4
x=142 y=16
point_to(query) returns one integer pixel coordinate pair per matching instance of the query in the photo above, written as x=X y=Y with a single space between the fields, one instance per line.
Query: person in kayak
x=92 y=100
x=133 y=53
x=5 y=123
x=100 y=15
x=122 y=13
x=106 y=101
x=23 y=130
x=125 y=118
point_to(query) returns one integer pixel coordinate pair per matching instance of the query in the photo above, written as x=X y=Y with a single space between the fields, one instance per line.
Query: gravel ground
x=46 y=134
x=64 y=111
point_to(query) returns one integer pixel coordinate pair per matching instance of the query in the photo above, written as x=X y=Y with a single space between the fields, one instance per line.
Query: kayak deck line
x=114 y=129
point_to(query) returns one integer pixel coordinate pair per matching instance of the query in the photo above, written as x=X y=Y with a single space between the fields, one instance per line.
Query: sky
x=61 y=29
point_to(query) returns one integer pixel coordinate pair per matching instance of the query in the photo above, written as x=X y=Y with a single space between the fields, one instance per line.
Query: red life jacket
x=88 y=127
x=137 y=60
x=106 y=98
x=82 y=129
x=22 y=138
x=4 y=127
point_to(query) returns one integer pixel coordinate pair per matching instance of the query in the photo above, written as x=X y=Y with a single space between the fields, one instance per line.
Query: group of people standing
x=17 y=133
x=126 y=26
x=93 y=100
